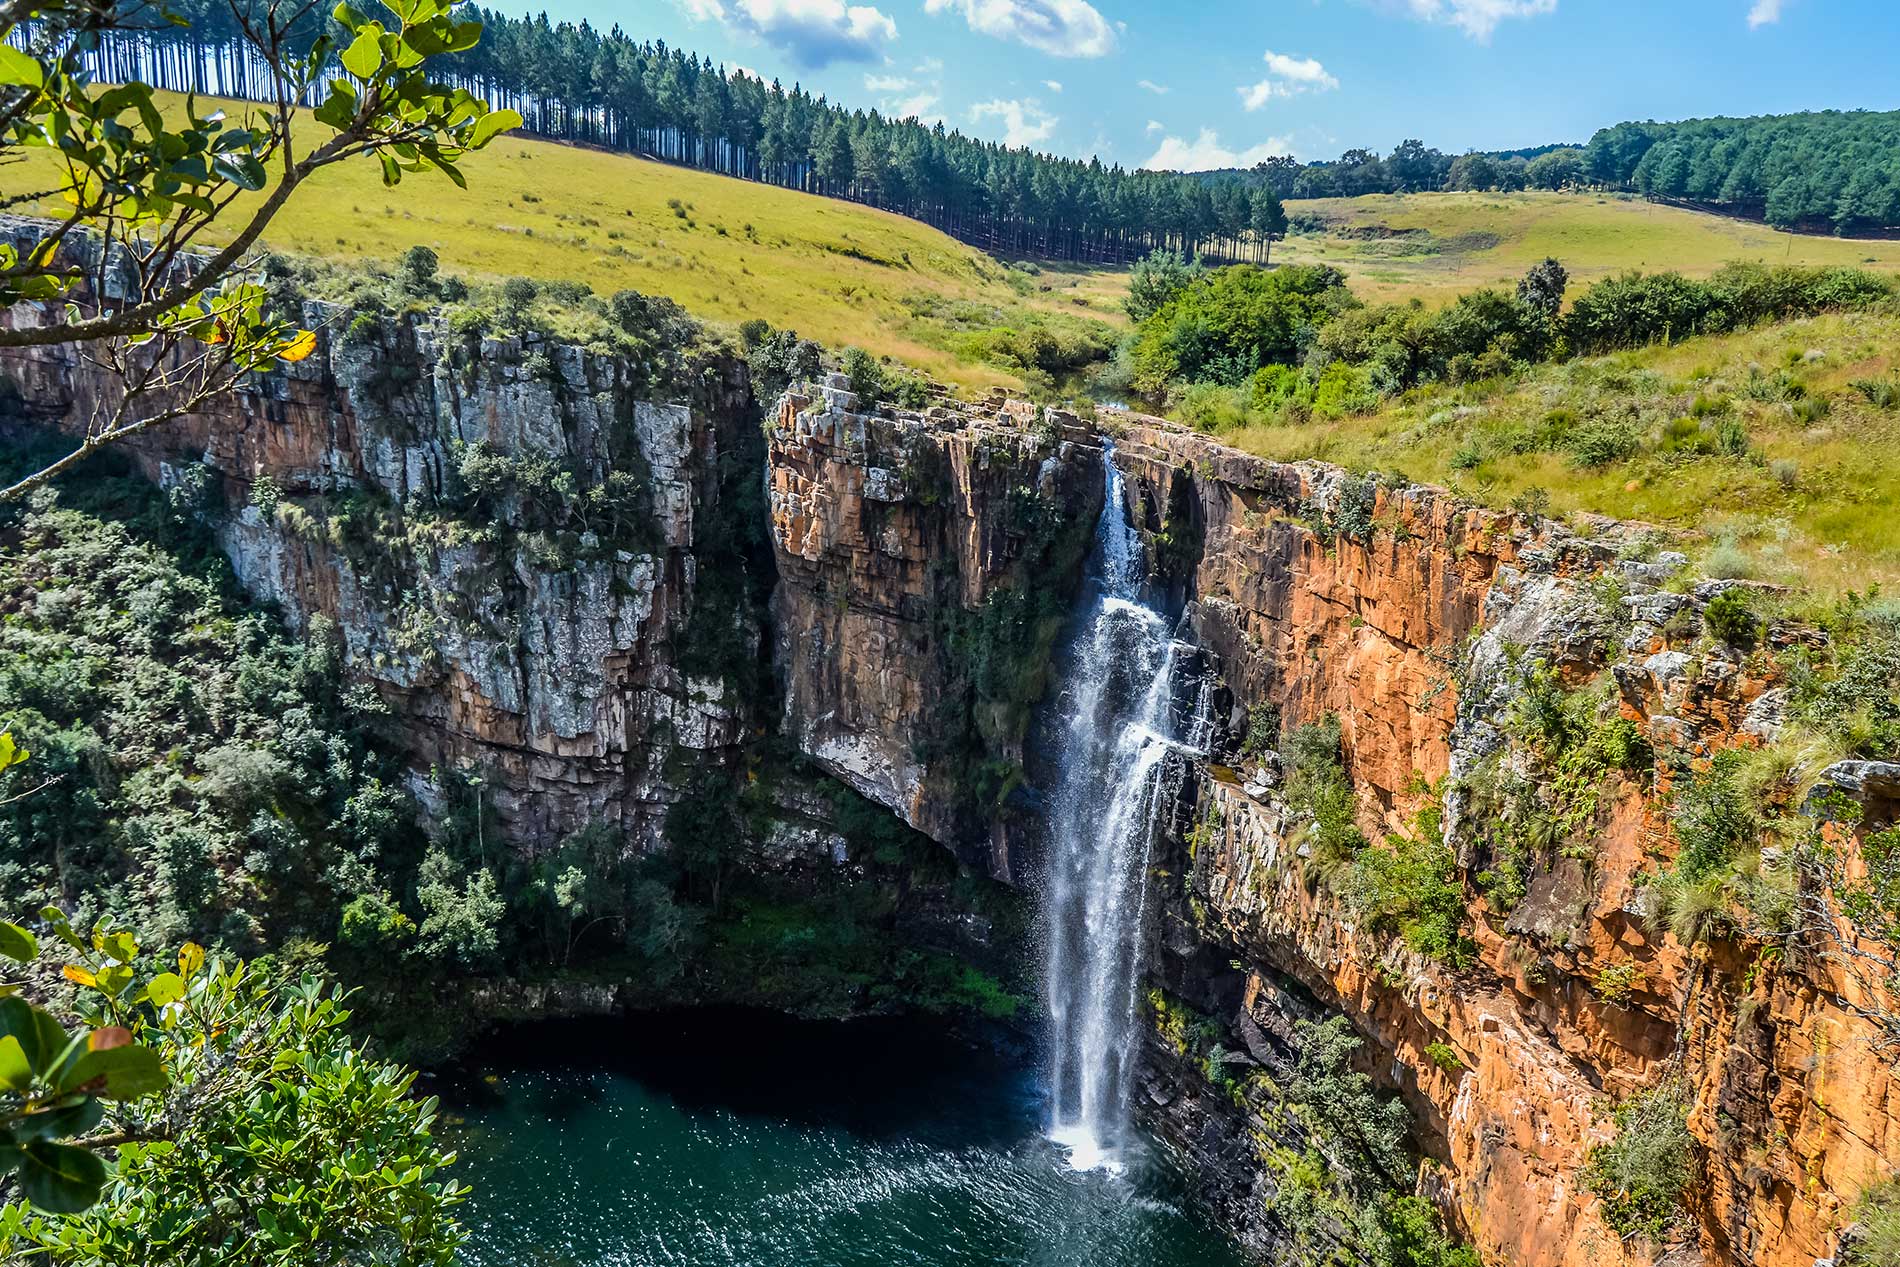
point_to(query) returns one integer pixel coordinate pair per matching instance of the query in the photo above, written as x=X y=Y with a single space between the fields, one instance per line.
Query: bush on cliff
x=1644 y=1175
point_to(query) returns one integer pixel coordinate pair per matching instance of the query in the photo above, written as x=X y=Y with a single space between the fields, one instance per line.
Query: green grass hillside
x=1434 y=246
x=1771 y=448
x=728 y=250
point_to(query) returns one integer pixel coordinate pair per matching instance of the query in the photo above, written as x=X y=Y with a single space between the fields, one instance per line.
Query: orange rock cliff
x=569 y=658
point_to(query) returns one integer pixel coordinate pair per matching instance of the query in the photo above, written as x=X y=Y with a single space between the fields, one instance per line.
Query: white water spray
x=1120 y=768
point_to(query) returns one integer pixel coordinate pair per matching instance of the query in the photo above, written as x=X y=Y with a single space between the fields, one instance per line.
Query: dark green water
x=721 y=1139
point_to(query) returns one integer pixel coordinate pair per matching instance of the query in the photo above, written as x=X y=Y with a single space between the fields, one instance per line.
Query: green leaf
x=41 y=1037
x=15 y=1073
x=492 y=125
x=69 y=1121
x=17 y=68
x=59 y=1178
x=242 y=170
x=166 y=987
x=17 y=944
x=364 y=57
x=392 y=174
x=129 y=1072
x=10 y=753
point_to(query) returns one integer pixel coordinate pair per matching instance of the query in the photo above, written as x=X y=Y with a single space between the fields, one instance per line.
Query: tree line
x=572 y=82
x=1833 y=169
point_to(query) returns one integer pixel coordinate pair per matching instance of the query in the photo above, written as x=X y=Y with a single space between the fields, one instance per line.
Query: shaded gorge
x=737 y=1138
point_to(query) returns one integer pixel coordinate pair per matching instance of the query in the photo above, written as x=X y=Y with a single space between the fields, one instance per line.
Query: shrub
x=1445 y=1056
x=1882 y=393
x=1644 y=1175
x=1877 y=1213
x=870 y=383
x=518 y=295
x=1730 y=618
x=418 y=267
x=1601 y=441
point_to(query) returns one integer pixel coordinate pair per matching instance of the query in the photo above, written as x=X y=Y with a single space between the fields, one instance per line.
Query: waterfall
x=1119 y=762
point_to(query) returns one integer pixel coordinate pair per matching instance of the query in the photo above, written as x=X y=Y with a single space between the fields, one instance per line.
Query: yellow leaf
x=78 y=975
x=298 y=348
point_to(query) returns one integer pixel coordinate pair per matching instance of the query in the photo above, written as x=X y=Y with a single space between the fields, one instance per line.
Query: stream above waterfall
x=723 y=1138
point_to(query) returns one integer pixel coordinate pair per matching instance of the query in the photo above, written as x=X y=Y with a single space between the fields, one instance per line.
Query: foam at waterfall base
x=1086 y=1151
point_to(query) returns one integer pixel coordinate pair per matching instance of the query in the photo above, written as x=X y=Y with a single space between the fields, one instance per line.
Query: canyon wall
x=507 y=536
x=1418 y=622
x=555 y=571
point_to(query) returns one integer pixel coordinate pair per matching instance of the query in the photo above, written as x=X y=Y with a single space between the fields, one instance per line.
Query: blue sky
x=1201 y=83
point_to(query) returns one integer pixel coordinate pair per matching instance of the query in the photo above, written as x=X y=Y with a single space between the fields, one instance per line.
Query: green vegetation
x=1644 y=1175
x=1580 y=748
x=186 y=323
x=1877 y=1213
x=1436 y=246
x=1835 y=169
x=1805 y=498
x=1353 y=1183
x=195 y=772
x=242 y=1123
x=1408 y=885
x=845 y=275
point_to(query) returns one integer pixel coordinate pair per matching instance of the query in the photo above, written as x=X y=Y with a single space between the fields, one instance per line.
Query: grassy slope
x=1815 y=501
x=1594 y=235
x=834 y=271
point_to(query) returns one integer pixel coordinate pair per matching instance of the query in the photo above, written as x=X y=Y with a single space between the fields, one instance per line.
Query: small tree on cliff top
x=121 y=272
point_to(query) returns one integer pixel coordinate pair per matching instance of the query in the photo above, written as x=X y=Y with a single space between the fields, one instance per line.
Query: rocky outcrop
x=1419 y=622
x=926 y=562
x=551 y=571
x=506 y=536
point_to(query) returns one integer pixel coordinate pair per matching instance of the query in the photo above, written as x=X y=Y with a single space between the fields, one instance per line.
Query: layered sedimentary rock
x=429 y=499
x=1413 y=618
x=504 y=534
x=925 y=564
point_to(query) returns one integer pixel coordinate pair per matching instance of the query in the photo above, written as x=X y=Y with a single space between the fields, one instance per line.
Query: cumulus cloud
x=1154 y=126
x=1287 y=77
x=1765 y=13
x=1062 y=28
x=1024 y=122
x=1053 y=85
x=814 y=33
x=904 y=98
x=1478 y=18
x=1159 y=90
x=1205 y=153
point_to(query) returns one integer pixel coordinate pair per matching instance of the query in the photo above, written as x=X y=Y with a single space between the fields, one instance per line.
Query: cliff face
x=506 y=536
x=1418 y=622
x=553 y=571
x=925 y=566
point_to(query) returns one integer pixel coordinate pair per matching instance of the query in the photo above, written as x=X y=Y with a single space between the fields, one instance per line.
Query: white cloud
x=922 y=106
x=1287 y=77
x=1205 y=152
x=1062 y=28
x=814 y=32
x=1477 y=18
x=1764 y=13
x=930 y=66
x=1154 y=126
x=905 y=98
x=1024 y=122
x=1052 y=85
x=1159 y=90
